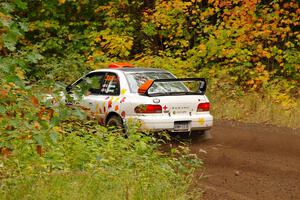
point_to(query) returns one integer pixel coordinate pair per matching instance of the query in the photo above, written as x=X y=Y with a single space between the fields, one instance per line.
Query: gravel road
x=246 y=161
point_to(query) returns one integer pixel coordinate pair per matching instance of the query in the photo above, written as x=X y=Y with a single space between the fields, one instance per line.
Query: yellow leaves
x=202 y=48
x=90 y=58
x=20 y=73
x=250 y=82
x=188 y=4
x=285 y=100
x=4 y=18
x=115 y=45
x=57 y=129
x=279 y=59
x=61 y=1
x=70 y=37
x=263 y=52
x=260 y=67
x=267 y=54
x=97 y=39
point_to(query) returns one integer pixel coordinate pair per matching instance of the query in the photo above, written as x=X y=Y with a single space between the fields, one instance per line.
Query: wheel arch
x=111 y=114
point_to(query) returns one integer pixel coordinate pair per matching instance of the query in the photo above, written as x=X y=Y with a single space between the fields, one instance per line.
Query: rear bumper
x=203 y=121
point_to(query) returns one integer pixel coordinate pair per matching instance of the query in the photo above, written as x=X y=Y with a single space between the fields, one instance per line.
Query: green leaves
x=21 y=4
x=34 y=57
x=10 y=38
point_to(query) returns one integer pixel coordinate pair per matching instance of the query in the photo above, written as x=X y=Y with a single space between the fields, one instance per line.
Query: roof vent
x=120 y=65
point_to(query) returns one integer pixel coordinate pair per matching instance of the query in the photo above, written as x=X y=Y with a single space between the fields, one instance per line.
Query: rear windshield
x=136 y=79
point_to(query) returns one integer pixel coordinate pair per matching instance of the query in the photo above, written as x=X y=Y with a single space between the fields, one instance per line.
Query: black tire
x=116 y=124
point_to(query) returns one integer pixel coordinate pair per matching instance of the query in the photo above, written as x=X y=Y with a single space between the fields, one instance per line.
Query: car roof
x=140 y=69
x=133 y=69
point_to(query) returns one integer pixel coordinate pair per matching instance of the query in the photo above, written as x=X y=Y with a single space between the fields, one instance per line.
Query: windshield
x=136 y=79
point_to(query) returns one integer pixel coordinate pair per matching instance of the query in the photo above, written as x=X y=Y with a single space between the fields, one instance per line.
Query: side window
x=91 y=83
x=110 y=85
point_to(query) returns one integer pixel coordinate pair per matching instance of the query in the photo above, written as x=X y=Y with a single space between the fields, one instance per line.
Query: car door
x=99 y=90
x=91 y=97
x=85 y=91
x=109 y=93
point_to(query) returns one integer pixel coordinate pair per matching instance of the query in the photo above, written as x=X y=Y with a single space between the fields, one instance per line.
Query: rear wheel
x=116 y=124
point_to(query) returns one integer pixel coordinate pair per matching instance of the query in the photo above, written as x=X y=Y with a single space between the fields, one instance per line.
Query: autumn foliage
x=248 y=50
x=239 y=45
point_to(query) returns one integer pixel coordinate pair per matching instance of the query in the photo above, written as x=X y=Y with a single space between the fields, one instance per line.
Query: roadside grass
x=94 y=185
x=255 y=108
x=97 y=165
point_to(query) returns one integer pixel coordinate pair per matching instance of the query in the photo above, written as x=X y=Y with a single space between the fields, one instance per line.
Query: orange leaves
x=36 y=125
x=39 y=150
x=3 y=93
x=20 y=73
x=202 y=50
x=260 y=68
x=5 y=151
x=34 y=101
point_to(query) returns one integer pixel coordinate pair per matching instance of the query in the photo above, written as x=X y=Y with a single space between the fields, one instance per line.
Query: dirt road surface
x=247 y=162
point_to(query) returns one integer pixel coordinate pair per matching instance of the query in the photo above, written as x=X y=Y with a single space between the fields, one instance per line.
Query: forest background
x=247 y=49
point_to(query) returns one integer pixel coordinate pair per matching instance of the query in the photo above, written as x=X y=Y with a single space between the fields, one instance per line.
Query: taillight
x=203 y=107
x=148 y=108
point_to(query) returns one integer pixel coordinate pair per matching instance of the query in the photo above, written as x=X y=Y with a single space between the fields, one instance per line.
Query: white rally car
x=153 y=97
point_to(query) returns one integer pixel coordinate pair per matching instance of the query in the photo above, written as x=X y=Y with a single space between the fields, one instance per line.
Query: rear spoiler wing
x=143 y=89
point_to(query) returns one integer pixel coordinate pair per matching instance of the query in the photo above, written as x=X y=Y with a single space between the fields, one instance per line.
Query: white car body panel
x=182 y=108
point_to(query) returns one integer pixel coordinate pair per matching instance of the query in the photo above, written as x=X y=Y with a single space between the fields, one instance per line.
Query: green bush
x=98 y=165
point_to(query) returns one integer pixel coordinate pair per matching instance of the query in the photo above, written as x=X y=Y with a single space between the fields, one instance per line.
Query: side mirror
x=143 y=89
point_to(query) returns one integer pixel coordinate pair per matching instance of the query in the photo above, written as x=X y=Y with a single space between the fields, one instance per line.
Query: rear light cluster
x=203 y=107
x=148 y=109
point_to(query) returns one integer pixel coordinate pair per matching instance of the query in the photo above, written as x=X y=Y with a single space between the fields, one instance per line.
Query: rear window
x=136 y=79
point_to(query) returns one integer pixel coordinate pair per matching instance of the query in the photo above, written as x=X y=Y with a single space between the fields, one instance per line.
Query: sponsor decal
x=123 y=114
x=116 y=99
x=116 y=108
x=109 y=104
x=123 y=91
x=97 y=108
x=201 y=121
x=165 y=108
x=123 y=100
